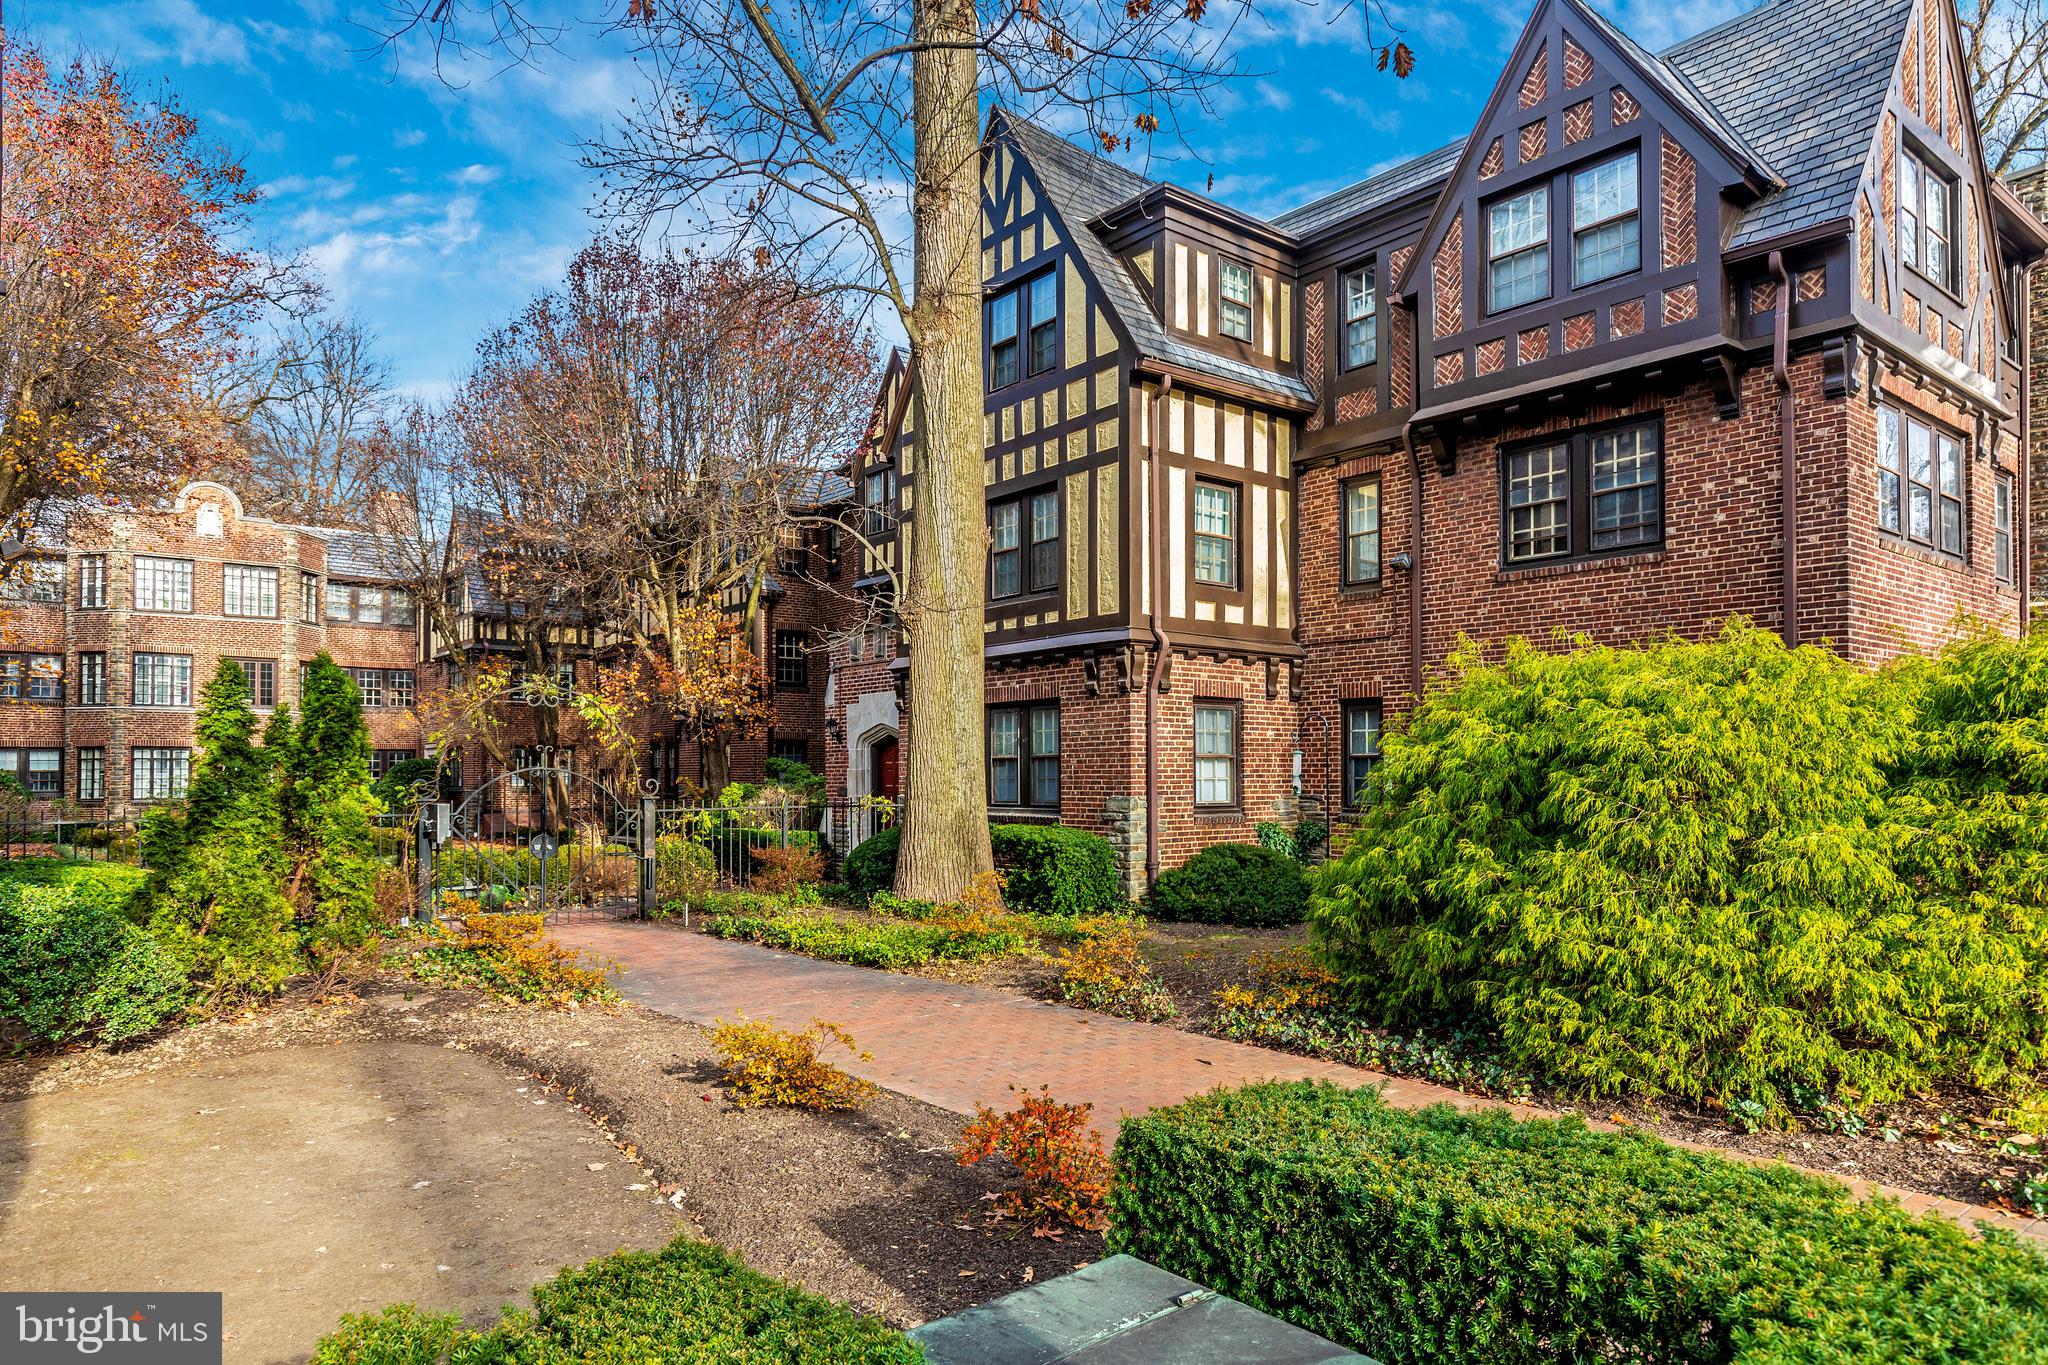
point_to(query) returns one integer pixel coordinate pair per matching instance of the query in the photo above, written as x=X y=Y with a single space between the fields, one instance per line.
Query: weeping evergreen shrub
x=1710 y=869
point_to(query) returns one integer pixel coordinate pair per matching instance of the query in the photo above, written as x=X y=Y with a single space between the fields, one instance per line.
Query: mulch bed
x=868 y=1208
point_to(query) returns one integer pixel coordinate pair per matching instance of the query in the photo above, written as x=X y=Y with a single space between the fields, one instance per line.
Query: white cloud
x=1374 y=113
x=1273 y=96
x=247 y=133
x=1657 y=24
x=408 y=137
x=476 y=174
x=343 y=162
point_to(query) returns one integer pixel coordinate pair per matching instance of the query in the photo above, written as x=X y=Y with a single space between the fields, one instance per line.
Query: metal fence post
x=646 y=857
x=423 y=865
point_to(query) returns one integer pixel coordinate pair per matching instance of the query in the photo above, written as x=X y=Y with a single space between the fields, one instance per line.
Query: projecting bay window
x=1606 y=221
x=1024 y=756
x=1518 y=249
x=1024 y=545
x=1216 y=533
x=1361 y=747
x=878 y=495
x=1361 y=318
x=1587 y=494
x=162 y=584
x=1919 y=482
x=1362 y=532
x=248 y=590
x=2001 y=529
x=159 y=774
x=309 y=598
x=1215 y=754
x=163 y=680
x=1235 y=301
x=1927 y=199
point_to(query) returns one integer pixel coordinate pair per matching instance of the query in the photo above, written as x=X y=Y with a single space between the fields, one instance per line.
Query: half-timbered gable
x=878 y=473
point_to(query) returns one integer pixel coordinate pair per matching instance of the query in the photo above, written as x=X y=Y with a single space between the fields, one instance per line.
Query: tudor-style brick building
x=1740 y=327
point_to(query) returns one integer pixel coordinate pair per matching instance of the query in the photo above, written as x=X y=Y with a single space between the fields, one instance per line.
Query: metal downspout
x=1788 y=454
x=1161 y=645
x=1415 y=564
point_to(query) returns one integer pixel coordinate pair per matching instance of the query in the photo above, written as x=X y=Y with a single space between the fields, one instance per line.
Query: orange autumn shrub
x=781 y=870
x=512 y=957
x=1063 y=1170
x=767 y=1065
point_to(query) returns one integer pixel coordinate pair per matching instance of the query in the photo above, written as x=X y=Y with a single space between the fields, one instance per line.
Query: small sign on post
x=647 y=848
x=543 y=846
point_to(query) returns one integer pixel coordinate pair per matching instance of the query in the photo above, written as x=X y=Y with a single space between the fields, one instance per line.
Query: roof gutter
x=1162 y=644
x=1788 y=455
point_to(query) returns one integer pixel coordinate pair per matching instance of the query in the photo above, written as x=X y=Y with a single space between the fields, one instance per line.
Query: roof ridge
x=1405 y=164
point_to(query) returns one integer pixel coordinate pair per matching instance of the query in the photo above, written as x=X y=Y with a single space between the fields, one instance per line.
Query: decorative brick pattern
x=1360 y=403
x=1450 y=369
x=1866 y=256
x=1578 y=67
x=1678 y=198
x=1491 y=164
x=1955 y=121
x=1578 y=331
x=1909 y=311
x=1681 y=304
x=1888 y=175
x=1400 y=258
x=1955 y=341
x=1536 y=84
x=1401 y=381
x=1810 y=284
x=1970 y=235
x=1450 y=279
x=1492 y=356
x=1934 y=327
x=1626 y=110
x=1763 y=296
x=1911 y=81
x=1313 y=341
x=1533 y=140
x=1930 y=51
x=1532 y=345
x=1578 y=121
x=1625 y=319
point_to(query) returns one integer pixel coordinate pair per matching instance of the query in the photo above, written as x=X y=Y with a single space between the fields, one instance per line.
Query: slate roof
x=360 y=554
x=1384 y=188
x=1803 y=81
x=1083 y=187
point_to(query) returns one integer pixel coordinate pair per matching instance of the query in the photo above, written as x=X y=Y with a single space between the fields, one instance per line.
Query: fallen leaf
x=597 y=1165
x=1029 y=1274
x=965 y=1274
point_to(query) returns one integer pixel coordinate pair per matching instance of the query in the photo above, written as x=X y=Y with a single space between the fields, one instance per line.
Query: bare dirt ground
x=276 y=1157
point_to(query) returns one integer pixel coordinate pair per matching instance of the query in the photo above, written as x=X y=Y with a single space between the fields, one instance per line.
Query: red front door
x=885 y=769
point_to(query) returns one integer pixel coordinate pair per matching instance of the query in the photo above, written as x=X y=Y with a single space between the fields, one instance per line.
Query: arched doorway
x=885 y=777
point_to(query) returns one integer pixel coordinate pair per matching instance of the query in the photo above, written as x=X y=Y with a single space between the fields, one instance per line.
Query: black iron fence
x=91 y=839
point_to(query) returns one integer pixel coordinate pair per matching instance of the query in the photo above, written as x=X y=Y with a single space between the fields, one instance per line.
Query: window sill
x=1927 y=554
x=1559 y=568
x=1219 y=815
x=1024 y=815
x=1367 y=590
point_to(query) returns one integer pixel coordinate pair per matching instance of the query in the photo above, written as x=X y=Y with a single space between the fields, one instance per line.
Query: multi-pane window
x=1362 y=531
x=1235 y=319
x=1926 y=211
x=383 y=761
x=92 y=678
x=309 y=598
x=2001 y=529
x=163 y=680
x=1361 y=747
x=162 y=584
x=36 y=580
x=1216 y=533
x=1361 y=318
x=1606 y=222
x=32 y=677
x=368 y=606
x=1539 y=502
x=792 y=553
x=369 y=684
x=1002 y=339
x=248 y=590
x=1044 y=301
x=262 y=678
x=159 y=774
x=1589 y=493
x=1024 y=544
x=44 y=773
x=1024 y=756
x=398 y=607
x=398 y=686
x=1922 y=467
x=1627 y=487
x=92 y=774
x=1518 y=249
x=792 y=659
x=92 y=582
x=1215 y=755
x=879 y=497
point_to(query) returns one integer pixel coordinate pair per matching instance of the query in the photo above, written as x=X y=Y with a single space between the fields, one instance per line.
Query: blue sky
x=434 y=210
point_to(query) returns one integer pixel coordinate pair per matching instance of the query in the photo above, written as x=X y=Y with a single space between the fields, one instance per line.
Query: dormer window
x=1606 y=220
x=1926 y=212
x=1518 y=249
x=1036 y=345
x=1045 y=318
x=1236 y=317
x=1361 y=318
x=1002 y=340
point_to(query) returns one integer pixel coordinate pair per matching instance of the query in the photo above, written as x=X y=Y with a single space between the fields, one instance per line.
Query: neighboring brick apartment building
x=1550 y=376
x=120 y=617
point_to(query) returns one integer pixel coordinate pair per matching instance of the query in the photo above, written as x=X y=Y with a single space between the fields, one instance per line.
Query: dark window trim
x=191 y=586
x=1377 y=706
x=255 y=697
x=78 y=767
x=2004 y=542
x=93 y=569
x=1344 y=532
x=19 y=770
x=1236 y=537
x=1935 y=432
x=1571 y=208
x=792 y=665
x=1579 y=497
x=1236 y=709
x=1910 y=147
x=1027 y=796
x=1250 y=304
x=1548 y=184
x=99 y=697
x=1019 y=291
x=133 y=698
x=1028 y=583
x=1369 y=266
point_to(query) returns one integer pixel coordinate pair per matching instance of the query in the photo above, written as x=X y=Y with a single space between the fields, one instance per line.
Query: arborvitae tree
x=280 y=743
x=327 y=798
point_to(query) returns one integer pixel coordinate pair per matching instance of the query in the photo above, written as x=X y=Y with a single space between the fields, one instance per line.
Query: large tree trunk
x=945 y=817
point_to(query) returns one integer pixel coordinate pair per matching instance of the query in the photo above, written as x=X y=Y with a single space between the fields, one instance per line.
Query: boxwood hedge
x=1449 y=1237
x=1051 y=870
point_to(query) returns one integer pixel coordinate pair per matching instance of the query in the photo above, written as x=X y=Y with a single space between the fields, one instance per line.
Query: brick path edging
x=957 y=1046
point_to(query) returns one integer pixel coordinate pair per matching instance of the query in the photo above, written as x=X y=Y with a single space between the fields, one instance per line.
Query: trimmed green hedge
x=1448 y=1237
x=1049 y=869
x=1242 y=884
x=687 y=1304
x=72 y=964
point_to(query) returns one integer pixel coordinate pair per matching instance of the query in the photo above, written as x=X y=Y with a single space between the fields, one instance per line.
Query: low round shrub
x=1053 y=870
x=404 y=781
x=1241 y=884
x=73 y=966
x=871 y=867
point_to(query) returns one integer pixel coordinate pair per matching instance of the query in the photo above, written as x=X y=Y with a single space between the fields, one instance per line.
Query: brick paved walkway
x=957 y=1046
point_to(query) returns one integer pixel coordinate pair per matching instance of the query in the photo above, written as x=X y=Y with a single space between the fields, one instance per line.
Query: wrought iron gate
x=539 y=840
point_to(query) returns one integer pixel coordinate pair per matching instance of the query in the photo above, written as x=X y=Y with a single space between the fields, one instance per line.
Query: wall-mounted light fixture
x=1403 y=560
